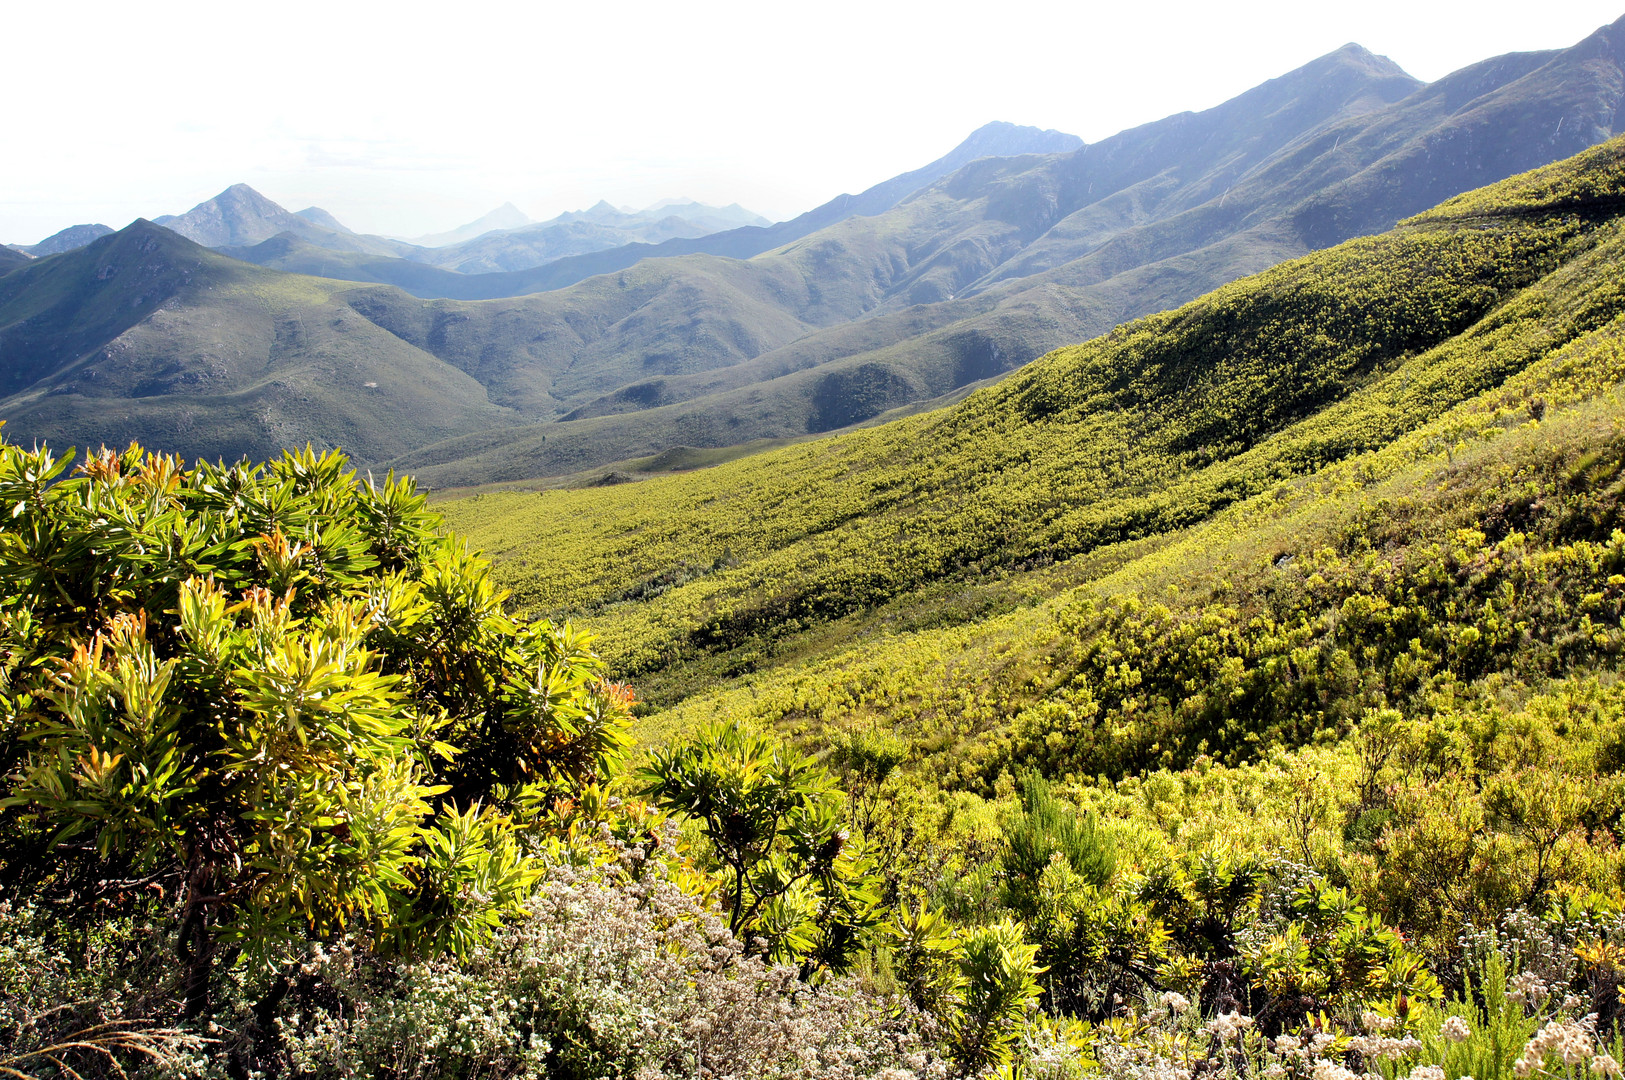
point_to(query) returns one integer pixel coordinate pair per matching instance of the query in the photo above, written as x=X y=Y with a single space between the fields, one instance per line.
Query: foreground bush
x=277 y=702
x=269 y=721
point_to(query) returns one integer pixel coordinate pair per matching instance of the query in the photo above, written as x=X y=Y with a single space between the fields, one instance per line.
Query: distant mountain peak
x=506 y=216
x=1350 y=58
x=317 y=216
x=243 y=195
x=1377 y=63
x=74 y=236
x=238 y=215
x=1000 y=138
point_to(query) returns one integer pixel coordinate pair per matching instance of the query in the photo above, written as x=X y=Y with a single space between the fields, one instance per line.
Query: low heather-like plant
x=616 y=972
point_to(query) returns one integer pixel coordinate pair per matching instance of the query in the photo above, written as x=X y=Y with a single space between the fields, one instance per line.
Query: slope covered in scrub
x=1241 y=685
x=1093 y=453
x=1230 y=651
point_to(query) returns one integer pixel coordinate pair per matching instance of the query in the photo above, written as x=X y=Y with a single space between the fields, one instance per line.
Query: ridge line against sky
x=406 y=119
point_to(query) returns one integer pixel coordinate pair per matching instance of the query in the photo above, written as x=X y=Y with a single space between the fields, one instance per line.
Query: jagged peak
x=1353 y=56
x=1000 y=138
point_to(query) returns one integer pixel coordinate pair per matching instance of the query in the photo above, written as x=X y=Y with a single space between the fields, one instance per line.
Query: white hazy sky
x=406 y=118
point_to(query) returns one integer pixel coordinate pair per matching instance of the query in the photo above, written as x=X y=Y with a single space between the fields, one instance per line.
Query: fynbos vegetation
x=1235 y=694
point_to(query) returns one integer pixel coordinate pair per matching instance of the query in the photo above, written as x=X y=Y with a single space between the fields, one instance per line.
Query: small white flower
x=1176 y=1002
x=1227 y=1026
x=1376 y=1022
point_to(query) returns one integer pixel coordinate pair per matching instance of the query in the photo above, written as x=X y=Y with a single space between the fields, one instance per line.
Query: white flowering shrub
x=72 y=999
x=615 y=973
x=1490 y=1033
x=1571 y=958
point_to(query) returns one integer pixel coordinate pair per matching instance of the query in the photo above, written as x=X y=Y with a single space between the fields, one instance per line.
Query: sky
x=406 y=118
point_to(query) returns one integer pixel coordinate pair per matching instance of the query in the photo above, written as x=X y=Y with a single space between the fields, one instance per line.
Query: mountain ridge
x=1461 y=328
x=1375 y=163
x=744 y=242
x=74 y=236
x=145 y=336
x=240 y=216
x=598 y=228
x=958 y=283
x=506 y=216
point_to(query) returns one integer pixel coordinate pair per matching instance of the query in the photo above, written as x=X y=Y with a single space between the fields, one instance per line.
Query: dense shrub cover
x=1236 y=694
x=1260 y=655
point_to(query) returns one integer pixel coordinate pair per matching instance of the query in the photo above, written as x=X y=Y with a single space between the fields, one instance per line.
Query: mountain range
x=918 y=290
x=74 y=236
x=302 y=255
x=242 y=218
x=1294 y=480
x=579 y=232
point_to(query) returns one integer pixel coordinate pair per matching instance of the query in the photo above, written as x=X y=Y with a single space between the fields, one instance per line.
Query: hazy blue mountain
x=732 y=216
x=317 y=216
x=506 y=216
x=11 y=259
x=241 y=216
x=238 y=215
x=74 y=236
x=995 y=139
x=598 y=228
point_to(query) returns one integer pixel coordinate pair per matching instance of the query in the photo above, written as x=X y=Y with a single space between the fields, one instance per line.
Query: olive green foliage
x=794 y=882
x=1304 y=602
x=1044 y=831
x=1240 y=687
x=1000 y=984
x=924 y=954
x=276 y=697
x=1151 y=429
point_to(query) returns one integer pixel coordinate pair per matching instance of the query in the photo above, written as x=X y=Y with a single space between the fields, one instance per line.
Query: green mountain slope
x=144 y=336
x=1011 y=258
x=1202 y=533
